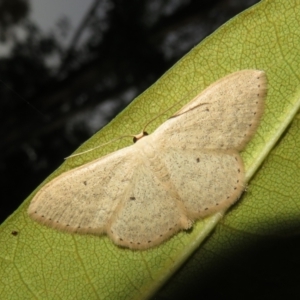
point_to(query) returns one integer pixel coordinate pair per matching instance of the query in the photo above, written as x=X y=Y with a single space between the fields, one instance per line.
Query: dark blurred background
x=61 y=85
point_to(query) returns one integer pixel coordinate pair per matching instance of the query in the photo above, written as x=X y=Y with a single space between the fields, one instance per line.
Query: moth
x=187 y=169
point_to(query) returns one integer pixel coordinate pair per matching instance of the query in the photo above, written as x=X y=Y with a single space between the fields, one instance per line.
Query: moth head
x=139 y=136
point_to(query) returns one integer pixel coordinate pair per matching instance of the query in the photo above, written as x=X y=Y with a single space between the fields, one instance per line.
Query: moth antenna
x=92 y=149
x=169 y=108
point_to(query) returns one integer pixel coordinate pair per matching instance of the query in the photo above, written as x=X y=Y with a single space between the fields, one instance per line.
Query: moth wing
x=224 y=116
x=206 y=181
x=84 y=199
x=150 y=214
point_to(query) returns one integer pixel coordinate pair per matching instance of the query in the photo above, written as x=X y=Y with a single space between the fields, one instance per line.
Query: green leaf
x=38 y=262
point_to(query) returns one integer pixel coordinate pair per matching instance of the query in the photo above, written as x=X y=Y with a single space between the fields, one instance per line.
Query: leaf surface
x=38 y=262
